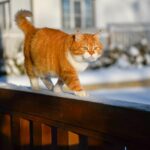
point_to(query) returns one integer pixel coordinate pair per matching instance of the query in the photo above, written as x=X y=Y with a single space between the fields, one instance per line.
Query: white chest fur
x=79 y=66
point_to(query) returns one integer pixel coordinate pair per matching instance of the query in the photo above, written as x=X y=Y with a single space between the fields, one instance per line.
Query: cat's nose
x=91 y=52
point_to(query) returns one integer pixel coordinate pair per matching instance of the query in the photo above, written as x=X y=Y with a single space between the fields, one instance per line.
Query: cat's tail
x=22 y=22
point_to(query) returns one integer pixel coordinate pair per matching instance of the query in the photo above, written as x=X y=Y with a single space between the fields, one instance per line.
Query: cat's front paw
x=81 y=93
x=57 y=89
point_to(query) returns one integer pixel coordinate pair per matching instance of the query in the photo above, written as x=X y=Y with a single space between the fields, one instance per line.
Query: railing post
x=59 y=139
x=15 y=132
x=83 y=142
x=62 y=137
x=35 y=135
x=54 y=138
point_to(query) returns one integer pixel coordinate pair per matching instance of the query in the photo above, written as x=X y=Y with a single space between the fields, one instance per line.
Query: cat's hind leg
x=31 y=74
x=58 y=86
x=47 y=82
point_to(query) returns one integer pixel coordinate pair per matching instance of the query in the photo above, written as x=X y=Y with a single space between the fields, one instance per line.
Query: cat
x=51 y=52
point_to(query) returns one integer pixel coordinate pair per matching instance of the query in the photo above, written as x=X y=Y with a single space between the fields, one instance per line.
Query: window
x=90 y=16
x=4 y=14
x=78 y=13
x=66 y=13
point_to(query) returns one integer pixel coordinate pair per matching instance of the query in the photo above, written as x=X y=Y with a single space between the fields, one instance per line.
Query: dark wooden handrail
x=32 y=120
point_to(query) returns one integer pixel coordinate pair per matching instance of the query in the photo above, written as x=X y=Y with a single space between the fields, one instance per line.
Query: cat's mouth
x=90 y=58
x=86 y=58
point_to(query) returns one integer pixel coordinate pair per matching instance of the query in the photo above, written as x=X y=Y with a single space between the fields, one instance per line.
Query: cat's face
x=86 y=47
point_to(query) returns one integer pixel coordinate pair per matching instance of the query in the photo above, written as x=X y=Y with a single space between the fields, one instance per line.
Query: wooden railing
x=128 y=34
x=30 y=120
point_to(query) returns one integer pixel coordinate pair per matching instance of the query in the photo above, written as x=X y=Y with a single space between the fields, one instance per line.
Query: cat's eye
x=85 y=48
x=96 y=48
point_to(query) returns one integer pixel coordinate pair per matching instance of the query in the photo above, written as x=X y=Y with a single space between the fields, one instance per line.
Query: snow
x=11 y=67
x=123 y=62
x=109 y=75
x=114 y=74
x=139 y=59
x=147 y=58
x=136 y=95
x=20 y=58
x=121 y=98
x=144 y=42
x=134 y=51
x=137 y=98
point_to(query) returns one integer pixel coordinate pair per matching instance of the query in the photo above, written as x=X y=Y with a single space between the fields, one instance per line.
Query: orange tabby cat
x=50 y=52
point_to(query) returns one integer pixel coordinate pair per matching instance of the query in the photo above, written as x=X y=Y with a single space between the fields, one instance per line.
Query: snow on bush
x=137 y=55
x=147 y=59
x=123 y=62
x=15 y=65
x=134 y=51
x=144 y=42
x=20 y=58
x=11 y=67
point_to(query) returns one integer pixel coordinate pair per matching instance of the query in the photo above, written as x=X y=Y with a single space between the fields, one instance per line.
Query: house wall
x=47 y=13
x=118 y=11
x=17 y=5
x=12 y=38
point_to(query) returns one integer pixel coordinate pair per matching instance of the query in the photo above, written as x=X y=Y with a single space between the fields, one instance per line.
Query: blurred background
x=125 y=64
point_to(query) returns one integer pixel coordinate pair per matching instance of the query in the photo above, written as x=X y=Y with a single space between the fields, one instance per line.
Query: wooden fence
x=37 y=121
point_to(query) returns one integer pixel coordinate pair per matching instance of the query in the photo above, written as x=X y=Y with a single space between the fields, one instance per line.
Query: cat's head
x=86 y=47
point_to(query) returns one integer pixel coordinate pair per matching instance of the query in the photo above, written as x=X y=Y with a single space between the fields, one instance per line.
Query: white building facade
x=71 y=14
x=68 y=15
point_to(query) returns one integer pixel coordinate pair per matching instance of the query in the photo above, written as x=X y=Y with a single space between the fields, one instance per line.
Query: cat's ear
x=97 y=34
x=78 y=36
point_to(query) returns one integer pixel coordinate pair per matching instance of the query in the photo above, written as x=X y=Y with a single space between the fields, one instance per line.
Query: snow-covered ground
x=107 y=75
x=137 y=95
x=114 y=74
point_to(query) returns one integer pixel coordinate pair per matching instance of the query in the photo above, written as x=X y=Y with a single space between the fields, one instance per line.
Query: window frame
x=6 y=12
x=83 y=14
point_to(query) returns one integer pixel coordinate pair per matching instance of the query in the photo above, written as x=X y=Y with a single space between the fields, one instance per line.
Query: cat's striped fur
x=51 y=52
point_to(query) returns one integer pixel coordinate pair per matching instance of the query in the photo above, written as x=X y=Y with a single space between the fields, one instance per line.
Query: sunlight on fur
x=51 y=52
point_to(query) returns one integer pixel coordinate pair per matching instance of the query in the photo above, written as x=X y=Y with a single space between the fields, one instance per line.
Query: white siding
x=118 y=11
x=17 y=5
x=47 y=13
x=144 y=10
